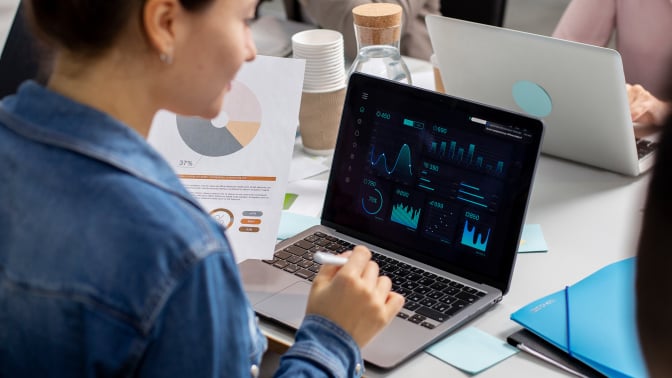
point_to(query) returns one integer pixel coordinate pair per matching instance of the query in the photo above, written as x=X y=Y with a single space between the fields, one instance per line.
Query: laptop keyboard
x=645 y=147
x=430 y=299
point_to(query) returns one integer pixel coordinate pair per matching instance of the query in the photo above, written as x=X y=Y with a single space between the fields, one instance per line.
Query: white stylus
x=329 y=259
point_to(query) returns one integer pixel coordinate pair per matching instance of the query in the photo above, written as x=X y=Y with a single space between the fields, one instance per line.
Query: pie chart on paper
x=233 y=129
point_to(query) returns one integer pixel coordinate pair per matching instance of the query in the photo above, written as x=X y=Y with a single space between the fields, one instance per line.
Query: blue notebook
x=592 y=320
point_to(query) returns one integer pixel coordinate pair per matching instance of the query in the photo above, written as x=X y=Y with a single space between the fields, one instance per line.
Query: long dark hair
x=654 y=262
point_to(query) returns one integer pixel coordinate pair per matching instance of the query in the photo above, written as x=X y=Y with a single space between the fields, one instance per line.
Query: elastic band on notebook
x=569 y=349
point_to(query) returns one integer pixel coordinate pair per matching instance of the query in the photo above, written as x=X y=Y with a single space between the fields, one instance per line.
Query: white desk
x=589 y=217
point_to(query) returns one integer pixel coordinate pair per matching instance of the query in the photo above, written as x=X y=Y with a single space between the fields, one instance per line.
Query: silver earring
x=166 y=58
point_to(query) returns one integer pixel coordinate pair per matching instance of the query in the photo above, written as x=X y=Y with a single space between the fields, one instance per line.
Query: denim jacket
x=109 y=267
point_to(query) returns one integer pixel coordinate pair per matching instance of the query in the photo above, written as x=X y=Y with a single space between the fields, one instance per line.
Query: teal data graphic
x=476 y=233
x=372 y=202
x=397 y=165
x=467 y=155
x=405 y=215
x=470 y=188
x=450 y=145
x=471 y=194
x=372 y=197
x=441 y=220
x=406 y=208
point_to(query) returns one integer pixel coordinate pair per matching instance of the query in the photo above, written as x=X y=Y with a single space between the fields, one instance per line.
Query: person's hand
x=645 y=108
x=355 y=297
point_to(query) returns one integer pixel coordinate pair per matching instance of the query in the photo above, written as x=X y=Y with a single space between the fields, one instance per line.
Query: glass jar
x=378 y=32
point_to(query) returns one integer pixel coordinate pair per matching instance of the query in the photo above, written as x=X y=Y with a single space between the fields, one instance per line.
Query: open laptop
x=577 y=89
x=437 y=187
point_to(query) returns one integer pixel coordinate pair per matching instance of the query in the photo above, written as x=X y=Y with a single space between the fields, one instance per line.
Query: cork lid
x=377 y=15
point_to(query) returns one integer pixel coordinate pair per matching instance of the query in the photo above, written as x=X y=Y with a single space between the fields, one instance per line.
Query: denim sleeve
x=321 y=349
x=206 y=328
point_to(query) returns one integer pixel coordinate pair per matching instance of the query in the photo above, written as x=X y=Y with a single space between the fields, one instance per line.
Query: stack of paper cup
x=323 y=51
x=323 y=87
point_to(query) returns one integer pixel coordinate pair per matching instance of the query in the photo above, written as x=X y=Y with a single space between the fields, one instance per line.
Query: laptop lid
x=434 y=178
x=577 y=89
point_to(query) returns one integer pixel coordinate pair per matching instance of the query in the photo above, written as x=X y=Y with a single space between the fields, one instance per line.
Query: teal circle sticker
x=532 y=98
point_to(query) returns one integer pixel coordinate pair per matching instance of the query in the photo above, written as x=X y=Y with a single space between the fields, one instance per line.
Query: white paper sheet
x=306 y=166
x=308 y=196
x=237 y=164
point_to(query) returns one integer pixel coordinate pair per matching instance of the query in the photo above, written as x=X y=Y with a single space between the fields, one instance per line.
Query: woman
x=108 y=267
x=642 y=30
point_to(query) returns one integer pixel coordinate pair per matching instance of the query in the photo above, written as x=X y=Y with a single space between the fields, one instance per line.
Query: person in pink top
x=643 y=30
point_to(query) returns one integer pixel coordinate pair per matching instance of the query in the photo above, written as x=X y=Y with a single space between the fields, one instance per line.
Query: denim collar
x=47 y=117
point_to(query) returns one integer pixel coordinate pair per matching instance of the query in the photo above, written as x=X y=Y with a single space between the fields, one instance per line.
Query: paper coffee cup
x=319 y=120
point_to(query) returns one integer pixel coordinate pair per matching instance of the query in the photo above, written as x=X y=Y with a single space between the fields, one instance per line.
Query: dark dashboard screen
x=435 y=178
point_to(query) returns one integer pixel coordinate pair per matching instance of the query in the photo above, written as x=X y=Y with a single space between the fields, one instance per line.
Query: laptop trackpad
x=287 y=306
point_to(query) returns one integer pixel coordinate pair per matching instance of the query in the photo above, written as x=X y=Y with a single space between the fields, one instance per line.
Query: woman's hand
x=645 y=108
x=355 y=297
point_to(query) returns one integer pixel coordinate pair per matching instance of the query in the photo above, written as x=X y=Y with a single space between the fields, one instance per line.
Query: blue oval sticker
x=532 y=98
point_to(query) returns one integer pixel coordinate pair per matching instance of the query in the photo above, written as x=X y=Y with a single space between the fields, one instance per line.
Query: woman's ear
x=159 y=21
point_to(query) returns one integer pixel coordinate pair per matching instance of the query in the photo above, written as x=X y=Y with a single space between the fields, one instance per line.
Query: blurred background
x=534 y=16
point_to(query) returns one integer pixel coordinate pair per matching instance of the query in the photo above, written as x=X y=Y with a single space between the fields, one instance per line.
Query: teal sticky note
x=532 y=239
x=471 y=350
x=293 y=223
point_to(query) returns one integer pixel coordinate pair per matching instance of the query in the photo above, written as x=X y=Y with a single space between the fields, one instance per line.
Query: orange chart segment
x=244 y=132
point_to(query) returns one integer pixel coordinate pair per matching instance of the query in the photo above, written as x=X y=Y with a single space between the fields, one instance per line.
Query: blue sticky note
x=293 y=223
x=532 y=239
x=471 y=350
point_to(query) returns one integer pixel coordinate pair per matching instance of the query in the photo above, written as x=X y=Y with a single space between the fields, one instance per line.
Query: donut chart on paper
x=233 y=129
x=223 y=216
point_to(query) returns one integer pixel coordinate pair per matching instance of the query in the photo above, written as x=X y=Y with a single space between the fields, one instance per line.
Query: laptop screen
x=434 y=178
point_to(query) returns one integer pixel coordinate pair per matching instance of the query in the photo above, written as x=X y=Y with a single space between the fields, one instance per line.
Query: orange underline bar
x=234 y=178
